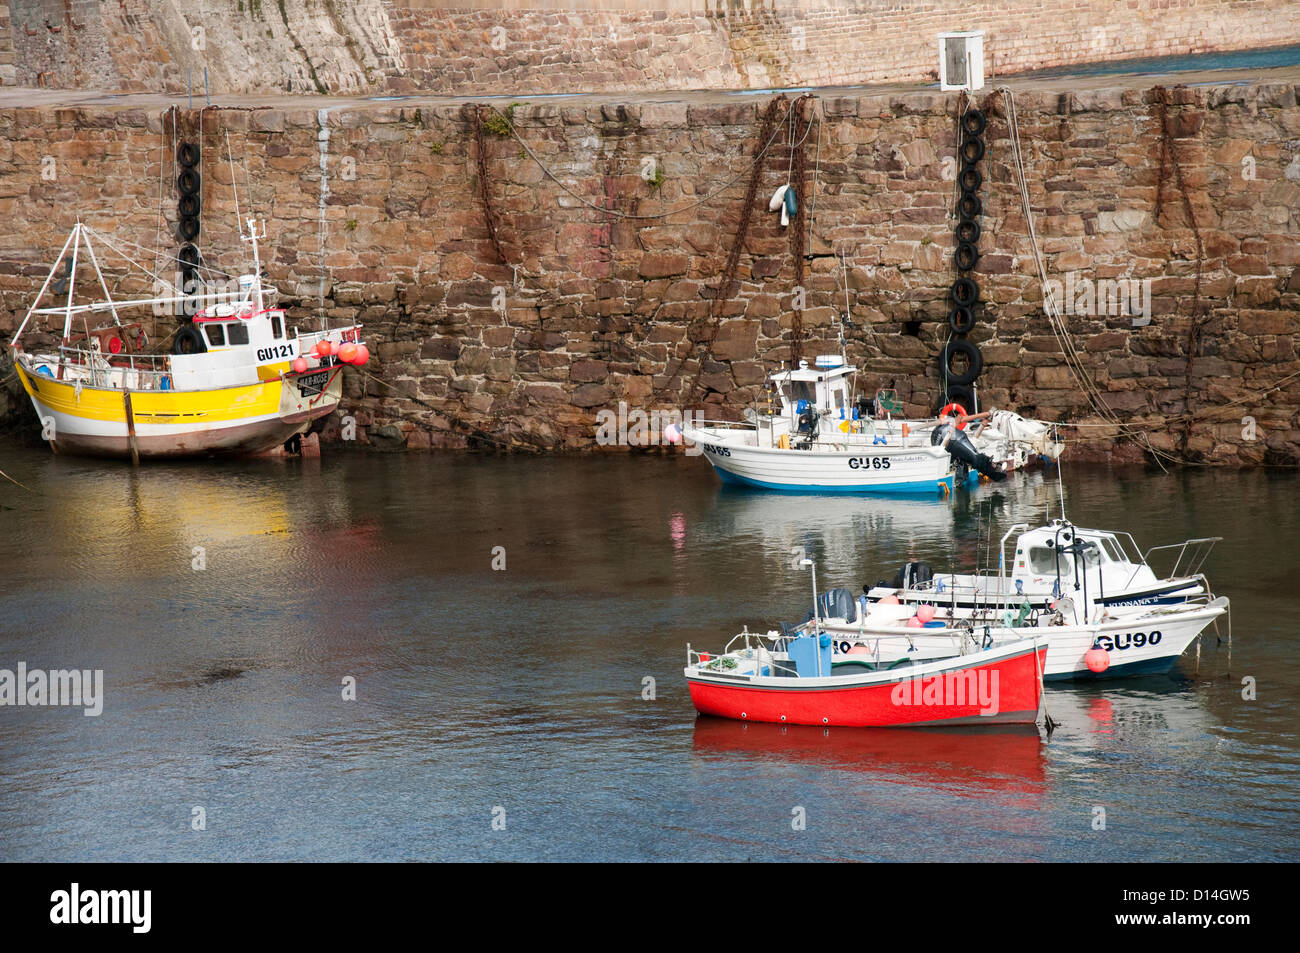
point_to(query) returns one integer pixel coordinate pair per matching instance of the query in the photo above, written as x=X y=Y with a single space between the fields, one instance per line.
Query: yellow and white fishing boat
x=238 y=379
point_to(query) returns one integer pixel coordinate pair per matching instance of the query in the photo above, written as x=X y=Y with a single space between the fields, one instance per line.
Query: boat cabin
x=1061 y=557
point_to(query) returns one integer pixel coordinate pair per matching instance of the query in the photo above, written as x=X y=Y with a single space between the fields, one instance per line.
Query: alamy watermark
x=1116 y=297
x=640 y=428
x=954 y=688
x=74 y=688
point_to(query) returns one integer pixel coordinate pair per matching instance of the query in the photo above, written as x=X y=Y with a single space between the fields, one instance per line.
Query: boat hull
x=995 y=687
x=92 y=421
x=861 y=469
x=1128 y=643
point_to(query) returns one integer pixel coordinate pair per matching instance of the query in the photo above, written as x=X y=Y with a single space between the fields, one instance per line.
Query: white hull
x=848 y=465
x=1139 y=643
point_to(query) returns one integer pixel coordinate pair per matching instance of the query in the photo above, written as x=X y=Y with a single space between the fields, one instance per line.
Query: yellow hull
x=243 y=419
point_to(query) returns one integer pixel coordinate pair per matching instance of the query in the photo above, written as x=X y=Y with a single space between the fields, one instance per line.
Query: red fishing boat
x=795 y=679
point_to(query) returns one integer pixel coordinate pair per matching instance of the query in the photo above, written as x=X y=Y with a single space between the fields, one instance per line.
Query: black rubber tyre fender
x=965 y=256
x=189 y=340
x=974 y=360
x=963 y=394
x=970 y=178
x=187 y=154
x=972 y=150
x=189 y=255
x=968 y=231
x=962 y=321
x=187 y=183
x=188 y=206
x=969 y=206
x=973 y=122
x=964 y=292
x=188 y=229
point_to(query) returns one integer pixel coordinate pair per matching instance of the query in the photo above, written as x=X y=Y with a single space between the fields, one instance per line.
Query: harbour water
x=228 y=604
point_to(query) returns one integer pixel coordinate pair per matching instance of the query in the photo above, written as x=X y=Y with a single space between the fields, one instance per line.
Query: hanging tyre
x=187 y=154
x=188 y=228
x=972 y=150
x=963 y=394
x=966 y=349
x=964 y=292
x=961 y=319
x=965 y=256
x=969 y=206
x=970 y=178
x=189 y=340
x=968 y=231
x=187 y=183
x=188 y=205
x=973 y=122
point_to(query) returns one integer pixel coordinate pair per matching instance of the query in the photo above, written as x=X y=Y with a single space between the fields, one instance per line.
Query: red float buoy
x=325 y=348
x=299 y=365
x=348 y=353
x=1097 y=660
x=363 y=355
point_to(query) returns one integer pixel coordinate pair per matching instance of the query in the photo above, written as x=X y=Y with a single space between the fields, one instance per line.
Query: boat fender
x=965 y=256
x=964 y=292
x=189 y=340
x=974 y=361
x=785 y=216
x=973 y=122
x=1097 y=659
x=784 y=442
x=777 y=198
x=791 y=203
x=961 y=319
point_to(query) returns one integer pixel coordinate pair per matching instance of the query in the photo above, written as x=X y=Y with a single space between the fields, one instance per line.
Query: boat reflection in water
x=1008 y=760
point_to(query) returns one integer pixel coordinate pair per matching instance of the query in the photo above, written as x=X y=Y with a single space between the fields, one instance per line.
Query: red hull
x=1005 y=691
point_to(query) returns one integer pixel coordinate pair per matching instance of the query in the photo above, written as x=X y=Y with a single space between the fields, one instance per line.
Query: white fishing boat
x=813 y=434
x=1105 y=568
x=238 y=378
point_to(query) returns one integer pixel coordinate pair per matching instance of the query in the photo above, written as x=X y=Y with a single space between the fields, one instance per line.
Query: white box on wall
x=961 y=60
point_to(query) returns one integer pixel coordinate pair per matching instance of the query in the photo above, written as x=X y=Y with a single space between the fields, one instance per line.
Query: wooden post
x=130 y=427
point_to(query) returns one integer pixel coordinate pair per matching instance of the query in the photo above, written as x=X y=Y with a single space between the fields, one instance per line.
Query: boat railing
x=137 y=371
x=1192 y=554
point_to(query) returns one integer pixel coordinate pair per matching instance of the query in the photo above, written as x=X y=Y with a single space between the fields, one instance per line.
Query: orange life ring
x=959 y=411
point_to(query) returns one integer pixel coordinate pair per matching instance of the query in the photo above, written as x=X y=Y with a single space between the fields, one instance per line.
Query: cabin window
x=216 y=335
x=837 y=398
x=1113 y=552
x=1091 y=554
x=1044 y=561
x=277 y=326
x=796 y=391
x=237 y=334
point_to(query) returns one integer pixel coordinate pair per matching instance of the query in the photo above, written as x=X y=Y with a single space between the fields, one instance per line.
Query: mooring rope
x=1056 y=319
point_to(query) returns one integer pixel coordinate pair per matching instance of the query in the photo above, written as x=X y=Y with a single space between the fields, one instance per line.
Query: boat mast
x=45 y=287
x=72 y=281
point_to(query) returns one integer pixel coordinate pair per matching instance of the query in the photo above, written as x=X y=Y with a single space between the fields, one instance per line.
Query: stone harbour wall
x=589 y=309
x=564 y=46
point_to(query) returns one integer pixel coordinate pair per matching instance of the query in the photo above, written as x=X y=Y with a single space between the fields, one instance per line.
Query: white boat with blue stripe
x=813 y=435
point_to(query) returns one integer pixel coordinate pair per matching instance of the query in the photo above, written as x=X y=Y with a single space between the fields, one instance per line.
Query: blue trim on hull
x=1156 y=666
x=920 y=486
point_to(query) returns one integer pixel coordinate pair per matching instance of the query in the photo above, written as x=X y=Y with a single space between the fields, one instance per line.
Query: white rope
x=1056 y=319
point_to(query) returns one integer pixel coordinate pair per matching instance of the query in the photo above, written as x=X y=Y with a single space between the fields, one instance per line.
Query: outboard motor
x=837 y=604
x=913 y=574
x=963 y=451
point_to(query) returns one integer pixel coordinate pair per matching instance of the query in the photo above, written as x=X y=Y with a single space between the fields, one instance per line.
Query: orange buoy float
x=299 y=365
x=324 y=347
x=348 y=353
x=925 y=613
x=363 y=355
x=890 y=600
x=915 y=623
x=1097 y=660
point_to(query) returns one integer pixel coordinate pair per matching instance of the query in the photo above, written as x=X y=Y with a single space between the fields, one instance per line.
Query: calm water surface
x=521 y=689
